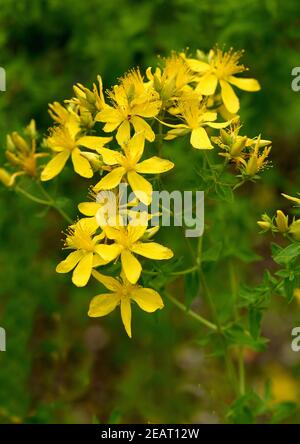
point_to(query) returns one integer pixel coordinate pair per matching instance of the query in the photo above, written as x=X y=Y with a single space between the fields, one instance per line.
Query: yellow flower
x=133 y=101
x=58 y=113
x=81 y=238
x=257 y=160
x=235 y=145
x=221 y=69
x=128 y=240
x=293 y=199
x=173 y=80
x=22 y=153
x=128 y=164
x=111 y=203
x=123 y=293
x=195 y=117
x=65 y=142
x=93 y=101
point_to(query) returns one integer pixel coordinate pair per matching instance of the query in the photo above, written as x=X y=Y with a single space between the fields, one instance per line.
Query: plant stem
x=241 y=364
x=208 y=296
x=54 y=205
x=241 y=371
x=49 y=202
x=191 y=313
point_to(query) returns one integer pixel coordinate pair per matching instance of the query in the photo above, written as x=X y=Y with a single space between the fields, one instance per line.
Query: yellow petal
x=111 y=180
x=109 y=282
x=126 y=315
x=89 y=208
x=81 y=164
x=154 y=165
x=152 y=250
x=141 y=187
x=70 y=262
x=109 y=115
x=136 y=232
x=131 y=266
x=93 y=142
x=135 y=147
x=218 y=124
x=197 y=65
x=229 y=97
x=200 y=139
x=147 y=299
x=207 y=84
x=245 y=84
x=108 y=252
x=55 y=166
x=140 y=125
x=98 y=261
x=110 y=157
x=123 y=133
x=103 y=304
x=82 y=272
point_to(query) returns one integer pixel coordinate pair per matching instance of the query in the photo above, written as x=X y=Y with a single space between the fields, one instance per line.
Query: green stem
x=241 y=371
x=54 y=205
x=241 y=364
x=209 y=298
x=191 y=313
x=31 y=197
x=49 y=202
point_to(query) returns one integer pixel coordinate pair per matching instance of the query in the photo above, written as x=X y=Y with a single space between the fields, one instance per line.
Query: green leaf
x=286 y=255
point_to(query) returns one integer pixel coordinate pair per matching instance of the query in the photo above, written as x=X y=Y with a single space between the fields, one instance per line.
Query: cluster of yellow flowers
x=186 y=96
x=280 y=223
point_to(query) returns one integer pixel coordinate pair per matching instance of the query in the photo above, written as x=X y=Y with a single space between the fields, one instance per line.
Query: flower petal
x=147 y=299
x=245 y=84
x=140 y=124
x=109 y=282
x=55 y=166
x=81 y=164
x=135 y=147
x=154 y=165
x=126 y=315
x=123 y=133
x=82 y=272
x=141 y=187
x=207 y=84
x=111 y=180
x=103 y=304
x=200 y=139
x=108 y=252
x=110 y=157
x=93 y=142
x=89 y=208
x=152 y=250
x=131 y=266
x=197 y=65
x=229 y=97
x=135 y=232
x=70 y=262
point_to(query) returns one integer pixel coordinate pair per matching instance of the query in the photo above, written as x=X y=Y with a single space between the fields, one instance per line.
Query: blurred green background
x=59 y=365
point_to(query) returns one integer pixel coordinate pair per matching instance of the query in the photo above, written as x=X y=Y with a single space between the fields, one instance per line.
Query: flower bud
x=6 y=178
x=295 y=230
x=282 y=222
